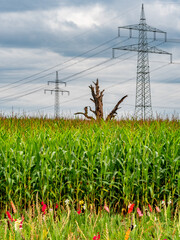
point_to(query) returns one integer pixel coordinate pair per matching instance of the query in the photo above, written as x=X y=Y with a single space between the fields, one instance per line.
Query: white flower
x=169 y=202
x=67 y=202
x=84 y=207
x=163 y=202
x=148 y=214
x=17 y=224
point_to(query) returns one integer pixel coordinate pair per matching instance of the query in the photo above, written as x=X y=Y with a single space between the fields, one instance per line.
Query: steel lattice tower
x=57 y=90
x=143 y=107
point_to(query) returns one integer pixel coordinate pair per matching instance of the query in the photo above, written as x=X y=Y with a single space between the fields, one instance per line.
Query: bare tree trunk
x=97 y=100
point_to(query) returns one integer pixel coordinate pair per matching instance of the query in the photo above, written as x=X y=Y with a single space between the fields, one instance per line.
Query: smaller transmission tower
x=57 y=90
x=143 y=107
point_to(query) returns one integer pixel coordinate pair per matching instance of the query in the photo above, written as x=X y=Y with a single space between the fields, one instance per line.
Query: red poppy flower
x=56 y=207
x=131 y=206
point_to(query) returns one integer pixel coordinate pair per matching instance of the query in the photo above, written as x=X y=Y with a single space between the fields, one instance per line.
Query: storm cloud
x=36 y=35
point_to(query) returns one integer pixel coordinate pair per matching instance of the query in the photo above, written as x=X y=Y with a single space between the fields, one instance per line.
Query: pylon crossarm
x=142 y=27
x=138 y=27
x=47 y=90
x=57 y=82
x=135 y=48
x=60 y=90
x=157 y=50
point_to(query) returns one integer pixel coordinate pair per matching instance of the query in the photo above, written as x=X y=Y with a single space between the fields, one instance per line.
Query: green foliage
x=116 y=162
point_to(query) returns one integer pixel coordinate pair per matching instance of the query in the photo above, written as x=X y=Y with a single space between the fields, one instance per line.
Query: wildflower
x=169 y=202
x=163 y=202
x=67 y=202
x=79 y=211
x=81 y=202
x=42 y=203
x=51 y=210
x=13 y=207
x=139 y=212
x=127 y=234
x=84 y=207
x=17 y=224
x=150 y=208
x=44 y=208
x=131 y=206
x=148 y=214
x=9 y=216
x=20 y=226
x=106 y=208
x=97 y=237
x=157 y=209
x=56 y=207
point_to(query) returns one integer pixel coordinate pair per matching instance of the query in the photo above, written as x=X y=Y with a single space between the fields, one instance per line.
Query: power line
x=44 y=76
x=16 y=97
x=20 y=96
x=4 y=99
x=33 y=75
x=23 y=79
x=162 y=107
x=32 y=80
x=23 y=95
x=111 y=86
x=71 y=76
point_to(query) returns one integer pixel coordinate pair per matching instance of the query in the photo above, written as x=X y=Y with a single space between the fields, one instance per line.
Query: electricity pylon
x=57 y=90
x=143 y=107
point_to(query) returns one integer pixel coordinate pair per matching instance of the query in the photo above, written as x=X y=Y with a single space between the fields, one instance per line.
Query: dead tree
x=113 y=113
x=97 y=99
x=85 y=113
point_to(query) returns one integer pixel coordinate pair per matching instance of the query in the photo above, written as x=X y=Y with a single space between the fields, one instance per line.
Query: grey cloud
x=34 y=5
x=28 y=5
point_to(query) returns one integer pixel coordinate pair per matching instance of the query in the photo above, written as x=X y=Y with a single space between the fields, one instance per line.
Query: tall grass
x=116 y=162
x=67 y=224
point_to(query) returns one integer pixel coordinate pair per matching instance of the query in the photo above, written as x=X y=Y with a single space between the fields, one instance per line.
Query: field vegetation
x=112 y=163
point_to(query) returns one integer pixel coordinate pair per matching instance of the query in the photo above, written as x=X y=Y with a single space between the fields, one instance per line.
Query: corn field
x=115 y=162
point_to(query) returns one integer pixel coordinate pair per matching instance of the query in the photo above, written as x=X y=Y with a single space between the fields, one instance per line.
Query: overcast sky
x=75 y=38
